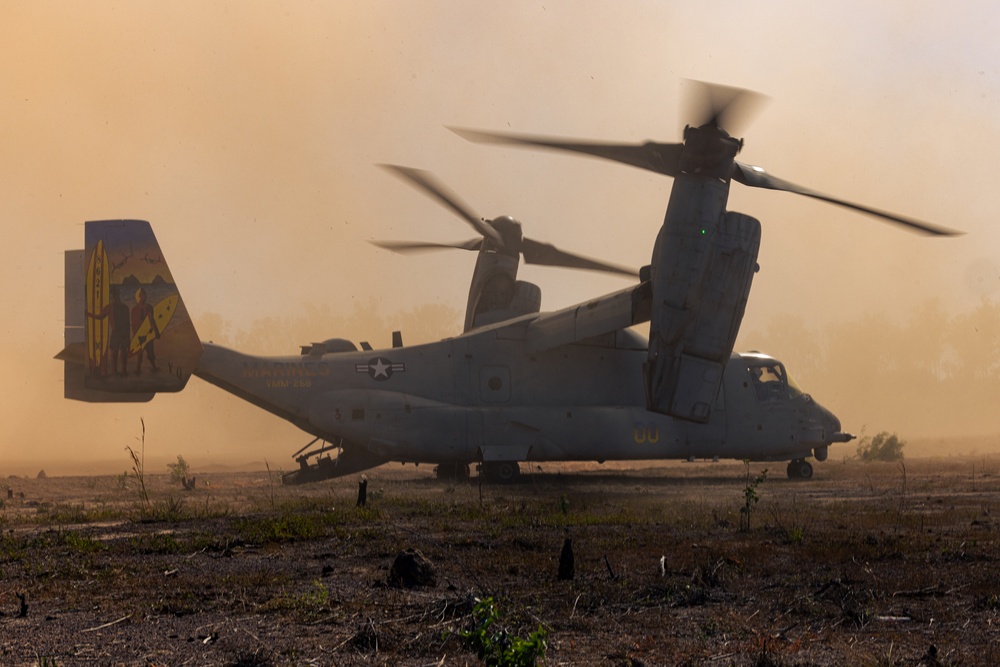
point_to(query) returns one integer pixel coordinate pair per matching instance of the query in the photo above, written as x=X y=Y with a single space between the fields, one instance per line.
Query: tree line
x=933 y=373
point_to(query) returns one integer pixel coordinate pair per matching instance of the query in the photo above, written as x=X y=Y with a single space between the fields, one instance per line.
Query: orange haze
x=247 y=133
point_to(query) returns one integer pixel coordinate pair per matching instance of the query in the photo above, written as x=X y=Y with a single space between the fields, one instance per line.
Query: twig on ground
x=109 y=624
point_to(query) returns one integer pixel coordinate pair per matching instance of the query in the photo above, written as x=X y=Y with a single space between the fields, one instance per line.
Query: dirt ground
x=866 y=564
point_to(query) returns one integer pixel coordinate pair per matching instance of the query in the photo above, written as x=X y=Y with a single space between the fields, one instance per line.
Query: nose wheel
x=800 y=469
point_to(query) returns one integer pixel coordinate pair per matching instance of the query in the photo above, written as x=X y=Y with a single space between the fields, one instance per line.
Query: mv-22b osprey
x=517 y=385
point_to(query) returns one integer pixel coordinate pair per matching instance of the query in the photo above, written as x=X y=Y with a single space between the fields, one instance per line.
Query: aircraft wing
x=602 y=315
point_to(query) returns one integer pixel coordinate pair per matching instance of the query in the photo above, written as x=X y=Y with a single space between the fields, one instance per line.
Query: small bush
x=881 y=447
x=495 y=646
x=179 y=471
x=750 y=495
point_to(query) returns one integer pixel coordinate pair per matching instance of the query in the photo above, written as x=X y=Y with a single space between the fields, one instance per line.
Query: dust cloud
x=248 y=135
x=931 y=375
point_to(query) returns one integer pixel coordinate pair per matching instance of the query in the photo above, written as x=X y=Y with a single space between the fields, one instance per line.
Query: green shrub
x=495 y=646
x=881 y=447
x=179 y=471
x=750 y=495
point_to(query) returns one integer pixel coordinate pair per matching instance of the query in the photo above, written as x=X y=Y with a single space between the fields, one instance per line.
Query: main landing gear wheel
x=504 y=472
x=800 y=469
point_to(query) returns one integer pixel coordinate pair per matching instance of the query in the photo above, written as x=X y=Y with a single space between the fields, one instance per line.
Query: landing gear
x=800 y=469
x=350 y=459
x=452 y=472
x=504 y=472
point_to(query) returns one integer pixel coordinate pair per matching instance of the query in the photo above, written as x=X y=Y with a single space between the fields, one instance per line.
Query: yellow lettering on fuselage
x=289 y=384
x=643 y=433
x=281 y=369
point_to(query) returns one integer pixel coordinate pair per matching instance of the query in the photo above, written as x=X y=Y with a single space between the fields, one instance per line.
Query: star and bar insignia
x=380 y=368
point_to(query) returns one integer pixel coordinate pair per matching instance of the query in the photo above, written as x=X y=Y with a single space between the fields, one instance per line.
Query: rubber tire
x=502 y=472
x=800 y=470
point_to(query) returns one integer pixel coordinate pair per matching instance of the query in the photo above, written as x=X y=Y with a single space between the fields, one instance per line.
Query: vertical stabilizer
x=128 y=334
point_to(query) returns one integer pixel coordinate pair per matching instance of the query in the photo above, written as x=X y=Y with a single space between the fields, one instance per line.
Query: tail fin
x=128 y=334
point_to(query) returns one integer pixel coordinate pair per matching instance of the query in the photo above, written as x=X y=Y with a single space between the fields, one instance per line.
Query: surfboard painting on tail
x=152 y=322
x=98 y=291
x=138 y=334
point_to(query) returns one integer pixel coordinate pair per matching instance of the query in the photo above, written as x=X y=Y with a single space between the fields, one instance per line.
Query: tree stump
x=566 y=572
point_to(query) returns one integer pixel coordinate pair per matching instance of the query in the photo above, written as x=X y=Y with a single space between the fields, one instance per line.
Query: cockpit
x=770 y=381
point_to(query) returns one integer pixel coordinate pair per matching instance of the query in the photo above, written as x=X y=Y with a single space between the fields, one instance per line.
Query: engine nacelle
x=700 y=290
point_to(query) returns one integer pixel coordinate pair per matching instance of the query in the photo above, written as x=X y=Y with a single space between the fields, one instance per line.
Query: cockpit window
x=770 y=382
x=793 y=389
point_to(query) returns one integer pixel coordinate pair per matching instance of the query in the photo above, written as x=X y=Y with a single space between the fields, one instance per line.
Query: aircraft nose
x=833 y=428
x=827 y=424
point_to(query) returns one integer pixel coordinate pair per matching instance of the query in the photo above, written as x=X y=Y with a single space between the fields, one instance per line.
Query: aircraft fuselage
x=484 y=396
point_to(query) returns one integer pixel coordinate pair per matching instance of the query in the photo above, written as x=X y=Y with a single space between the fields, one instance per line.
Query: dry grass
x=870 y=564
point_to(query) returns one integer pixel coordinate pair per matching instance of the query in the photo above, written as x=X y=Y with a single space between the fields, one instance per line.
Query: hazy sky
x=247 y=133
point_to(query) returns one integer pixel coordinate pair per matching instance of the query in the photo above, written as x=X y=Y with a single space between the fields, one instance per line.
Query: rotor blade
x=756 y=177
x=409 y=246
x=723 y=106
x=652 y=156
x=431 y=186
x=546 y=254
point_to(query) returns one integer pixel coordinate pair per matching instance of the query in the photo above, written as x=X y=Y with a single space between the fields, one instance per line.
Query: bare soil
x=867 y=564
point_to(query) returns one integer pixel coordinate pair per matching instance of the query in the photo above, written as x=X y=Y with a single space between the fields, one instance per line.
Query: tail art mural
x=137 y=335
